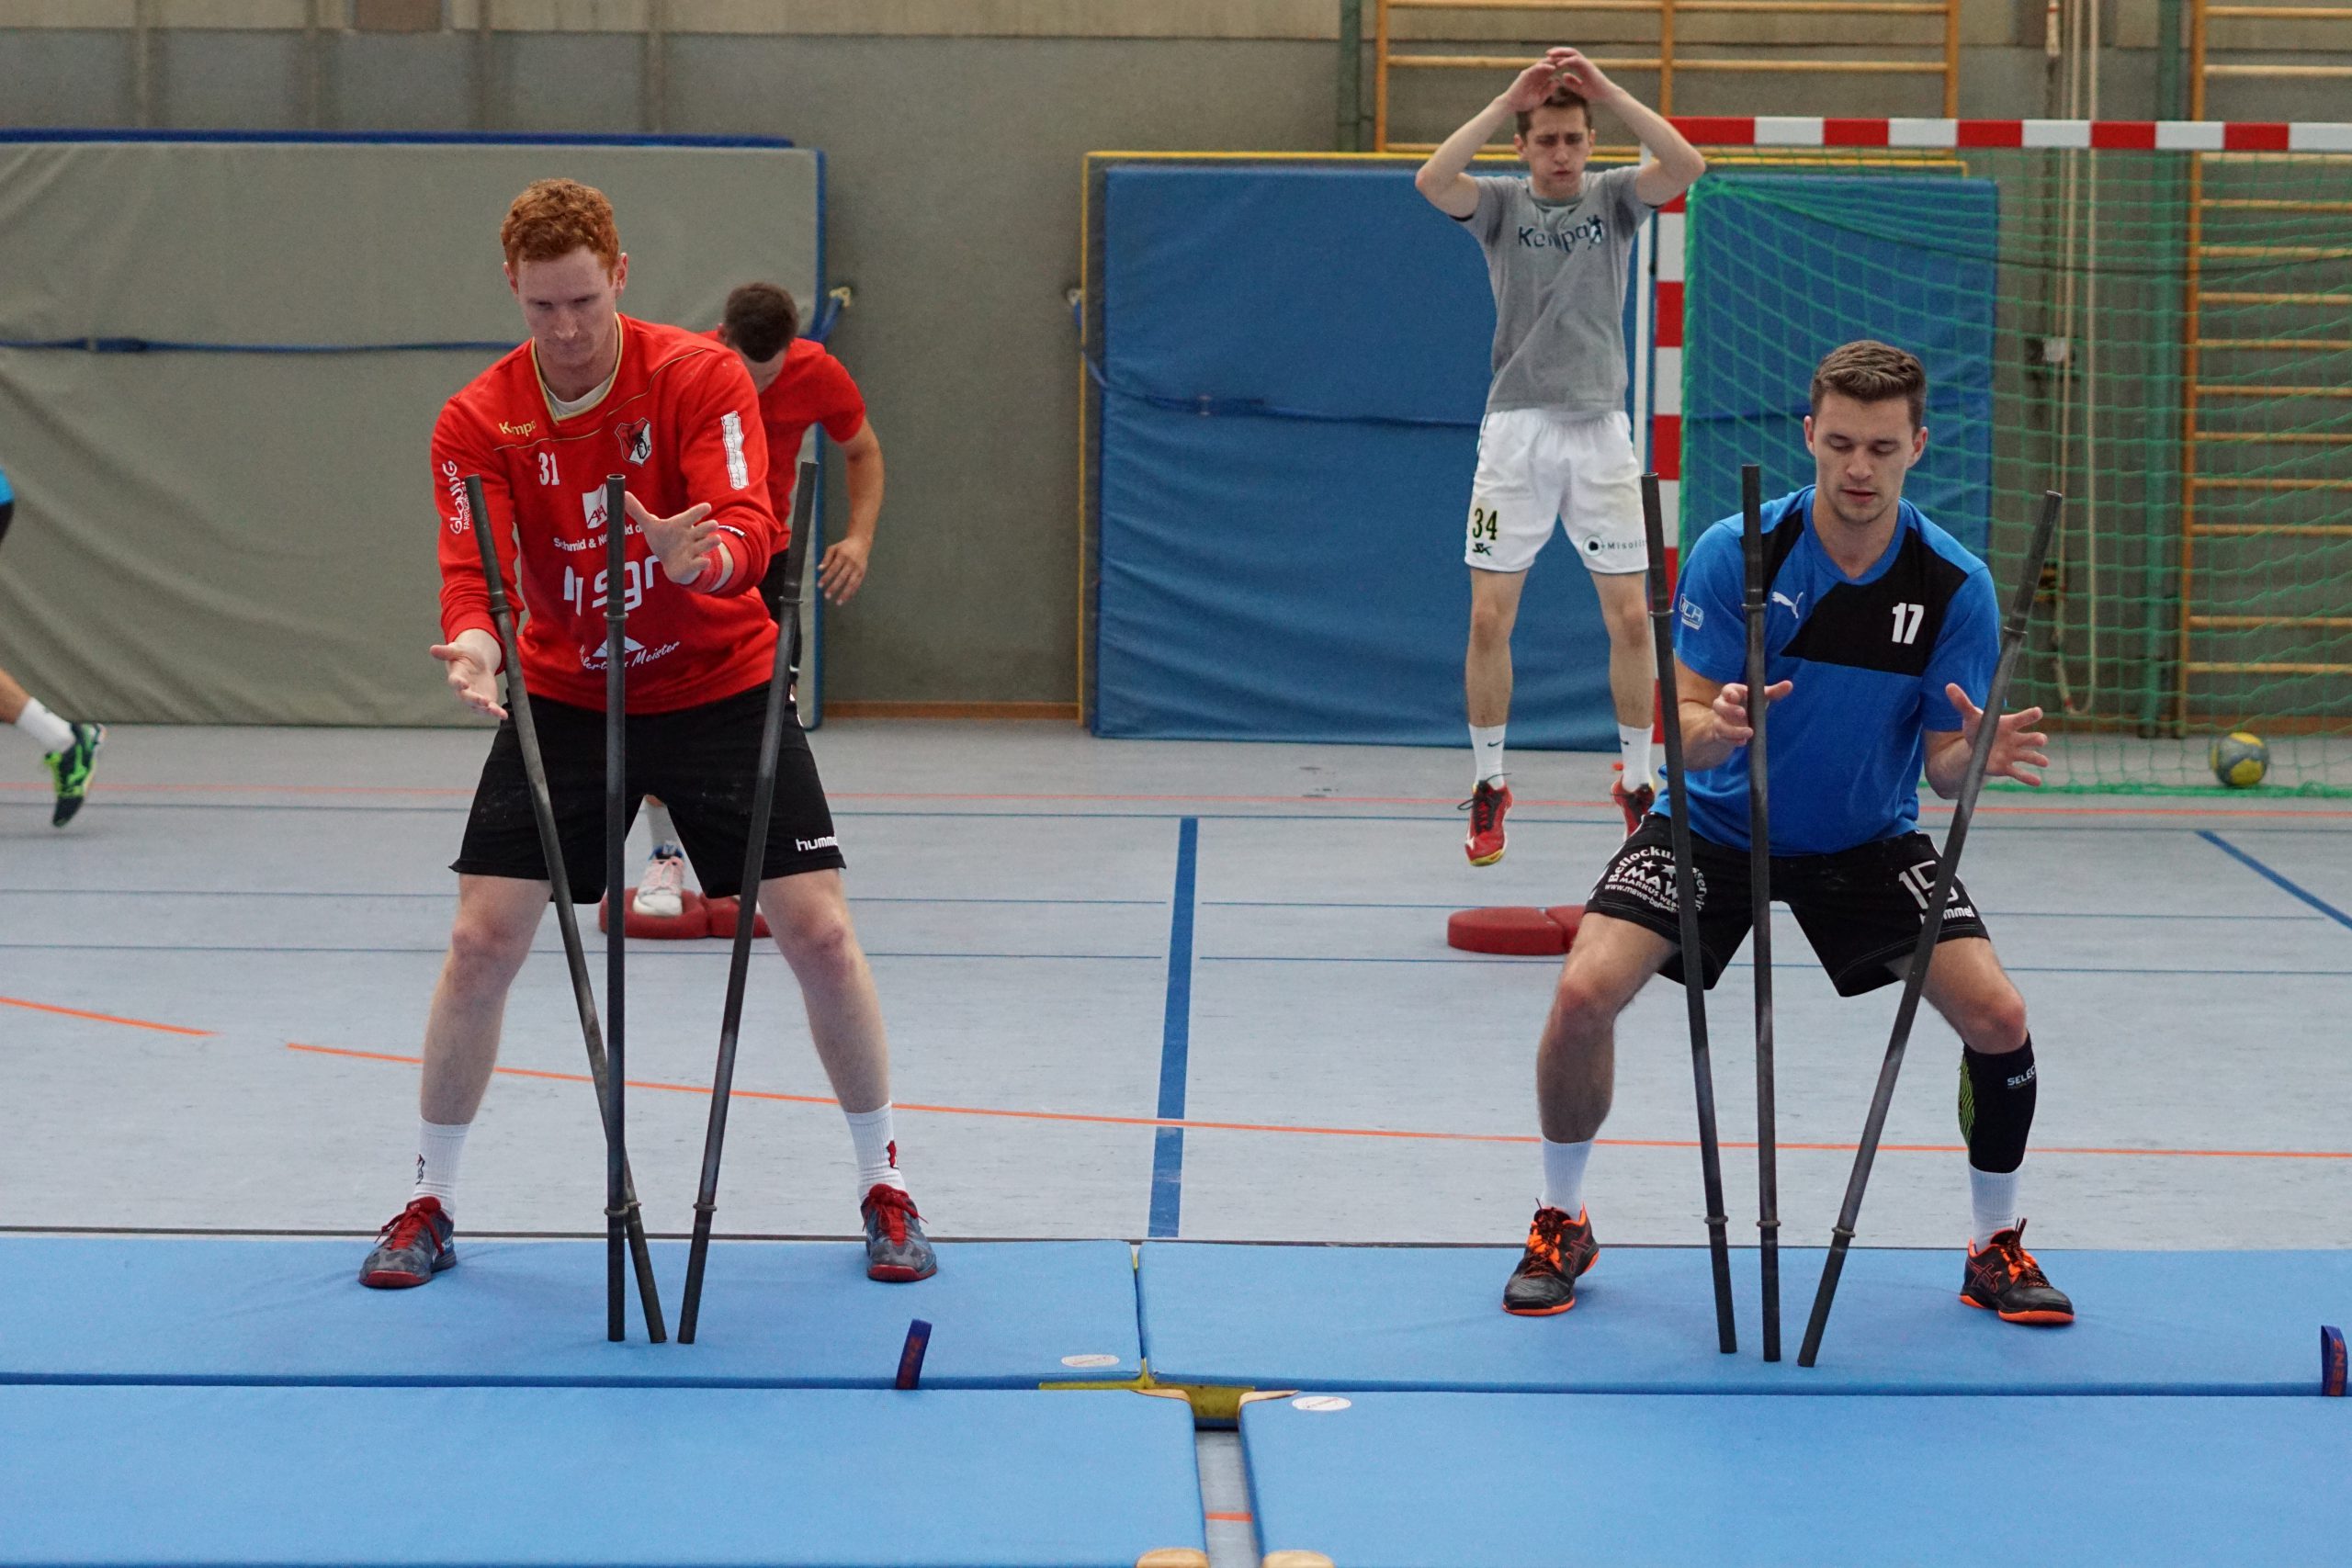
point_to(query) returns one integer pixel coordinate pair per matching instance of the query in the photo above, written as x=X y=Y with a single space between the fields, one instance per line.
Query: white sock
x=1993 y=1195
x=1486 y=742
x=878 y=1149
x=438 y=1149
x=1634 y=748
x=665 y=832
x=48 y=733
x=1564 y=1176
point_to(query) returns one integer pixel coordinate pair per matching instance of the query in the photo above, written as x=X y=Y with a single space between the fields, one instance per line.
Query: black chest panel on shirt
x=1889 y=623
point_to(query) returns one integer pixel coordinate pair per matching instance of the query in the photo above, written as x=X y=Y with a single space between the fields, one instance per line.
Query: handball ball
x=2240 y=759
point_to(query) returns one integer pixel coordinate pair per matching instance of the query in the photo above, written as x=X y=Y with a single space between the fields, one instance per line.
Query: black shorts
x=700 y=761
x=1861 y=909
x=7 y=511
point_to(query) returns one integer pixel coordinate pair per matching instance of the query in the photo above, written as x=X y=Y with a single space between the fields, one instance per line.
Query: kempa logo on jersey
x=1592 y=231
x=525 y=428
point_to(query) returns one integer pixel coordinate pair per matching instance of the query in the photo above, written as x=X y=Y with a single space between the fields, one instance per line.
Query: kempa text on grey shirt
x=1558 y=271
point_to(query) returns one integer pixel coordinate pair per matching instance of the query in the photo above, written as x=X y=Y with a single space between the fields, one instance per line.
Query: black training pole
x=615 y=886
x=1760 y=884
x=739 y=965
x=575 y=955
x=1686 y=899
x=1931 y=923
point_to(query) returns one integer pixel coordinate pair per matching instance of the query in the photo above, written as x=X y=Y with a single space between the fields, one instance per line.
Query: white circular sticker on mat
x=1320 y=1402
x=1096 y=1360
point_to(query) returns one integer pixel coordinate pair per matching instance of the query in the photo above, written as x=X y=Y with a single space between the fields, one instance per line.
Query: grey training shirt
x=1558 y=271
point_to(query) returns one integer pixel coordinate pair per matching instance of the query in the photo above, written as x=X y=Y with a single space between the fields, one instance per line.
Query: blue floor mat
x=1389 y=1317
x=795 y=1314
x=1737 y=1480
x=421 y=1477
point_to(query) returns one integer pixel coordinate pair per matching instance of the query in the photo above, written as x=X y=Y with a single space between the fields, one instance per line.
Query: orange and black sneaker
x=1558 y=1249
x=1487 y=805
x=1634 y=802
x=2005 y=1278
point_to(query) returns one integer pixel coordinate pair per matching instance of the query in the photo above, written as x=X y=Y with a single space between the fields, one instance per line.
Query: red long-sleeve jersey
x=682 y=424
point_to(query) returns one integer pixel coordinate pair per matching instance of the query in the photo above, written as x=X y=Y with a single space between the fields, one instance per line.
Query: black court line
x=2308 y=897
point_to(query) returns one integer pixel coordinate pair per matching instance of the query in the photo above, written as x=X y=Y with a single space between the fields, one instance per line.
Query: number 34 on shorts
x=1486 y=528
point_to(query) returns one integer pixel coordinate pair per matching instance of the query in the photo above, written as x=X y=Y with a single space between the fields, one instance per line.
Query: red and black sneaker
x=1634 y=802
x=418 y=1242
x=1487 y=805
x=2005 y=1278
x=896 y=1248
x=1558 y=1249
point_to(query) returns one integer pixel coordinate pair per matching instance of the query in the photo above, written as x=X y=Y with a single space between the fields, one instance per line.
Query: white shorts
x=1536 y=467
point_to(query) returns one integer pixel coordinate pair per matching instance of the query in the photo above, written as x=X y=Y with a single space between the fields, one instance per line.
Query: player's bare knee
x=485 y=952
x=1994 y=1021
x=1489 y=623
x=816 y=937
x=1584 y=1006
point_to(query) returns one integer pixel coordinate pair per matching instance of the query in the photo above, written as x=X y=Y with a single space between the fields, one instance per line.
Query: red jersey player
x=800 y=386
x=595 y=392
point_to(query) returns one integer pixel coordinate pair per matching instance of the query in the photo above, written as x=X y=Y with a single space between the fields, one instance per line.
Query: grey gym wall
x=249 y=537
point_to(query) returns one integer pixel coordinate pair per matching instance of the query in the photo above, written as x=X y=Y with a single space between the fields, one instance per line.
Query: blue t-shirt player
x=1881 y=636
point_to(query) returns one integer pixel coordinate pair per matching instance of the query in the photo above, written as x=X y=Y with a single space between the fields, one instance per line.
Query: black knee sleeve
x=1996 y=1095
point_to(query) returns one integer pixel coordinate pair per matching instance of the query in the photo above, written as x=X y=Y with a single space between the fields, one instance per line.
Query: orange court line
x=1245 y=1518
x=106 y=1018
x=1320 y=1132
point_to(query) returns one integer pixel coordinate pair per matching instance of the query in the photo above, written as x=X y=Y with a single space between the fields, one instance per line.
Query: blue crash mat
x=1739 y=1481
x=1386 y=1317
x=797 y=1315
x=419 y=1477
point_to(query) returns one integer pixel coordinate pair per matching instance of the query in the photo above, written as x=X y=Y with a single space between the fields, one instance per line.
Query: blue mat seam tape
x=1175 y=1039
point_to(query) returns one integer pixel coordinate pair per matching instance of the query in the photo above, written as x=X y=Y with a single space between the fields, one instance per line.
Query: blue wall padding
x=774 y=1314
x=425 y=1477
x=1413 y=1318
x=1467 y=1481
x=1288 y=565
x=1781 y=269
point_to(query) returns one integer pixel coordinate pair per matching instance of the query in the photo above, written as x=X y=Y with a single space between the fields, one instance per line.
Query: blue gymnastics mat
x=783 y=1315
x=424 y=1476
x=1735 y=1480
x=1389 y=1317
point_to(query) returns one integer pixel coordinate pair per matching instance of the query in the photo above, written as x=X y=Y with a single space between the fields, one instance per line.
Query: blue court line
x=2313 y=899
x=1175 y=1039
x=445 y=894
x=644 y=948
x=1554 y=959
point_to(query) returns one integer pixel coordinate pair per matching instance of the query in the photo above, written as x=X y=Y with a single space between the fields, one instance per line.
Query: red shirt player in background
x=800 y=386
x=595 y=392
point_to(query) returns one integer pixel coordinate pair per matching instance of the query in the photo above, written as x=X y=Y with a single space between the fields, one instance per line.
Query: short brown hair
x=1870 y=371
x=761 y=319
x=1561 y=98
x=555 y=218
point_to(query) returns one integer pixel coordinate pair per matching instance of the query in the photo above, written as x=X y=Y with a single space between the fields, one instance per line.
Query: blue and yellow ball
x=2240 y=759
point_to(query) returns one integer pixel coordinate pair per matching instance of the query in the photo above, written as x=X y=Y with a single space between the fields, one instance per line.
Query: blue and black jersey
x=1868 y=657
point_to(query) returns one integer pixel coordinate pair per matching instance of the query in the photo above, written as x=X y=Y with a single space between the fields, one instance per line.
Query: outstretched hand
x=2015 y=748
x=1731 y=709
x=470 y=664
x=684 y=544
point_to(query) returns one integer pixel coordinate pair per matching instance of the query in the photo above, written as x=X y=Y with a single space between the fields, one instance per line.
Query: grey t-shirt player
x=1558 y=271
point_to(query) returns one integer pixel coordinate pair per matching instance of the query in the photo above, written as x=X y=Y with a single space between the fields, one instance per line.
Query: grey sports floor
x=212 y=986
